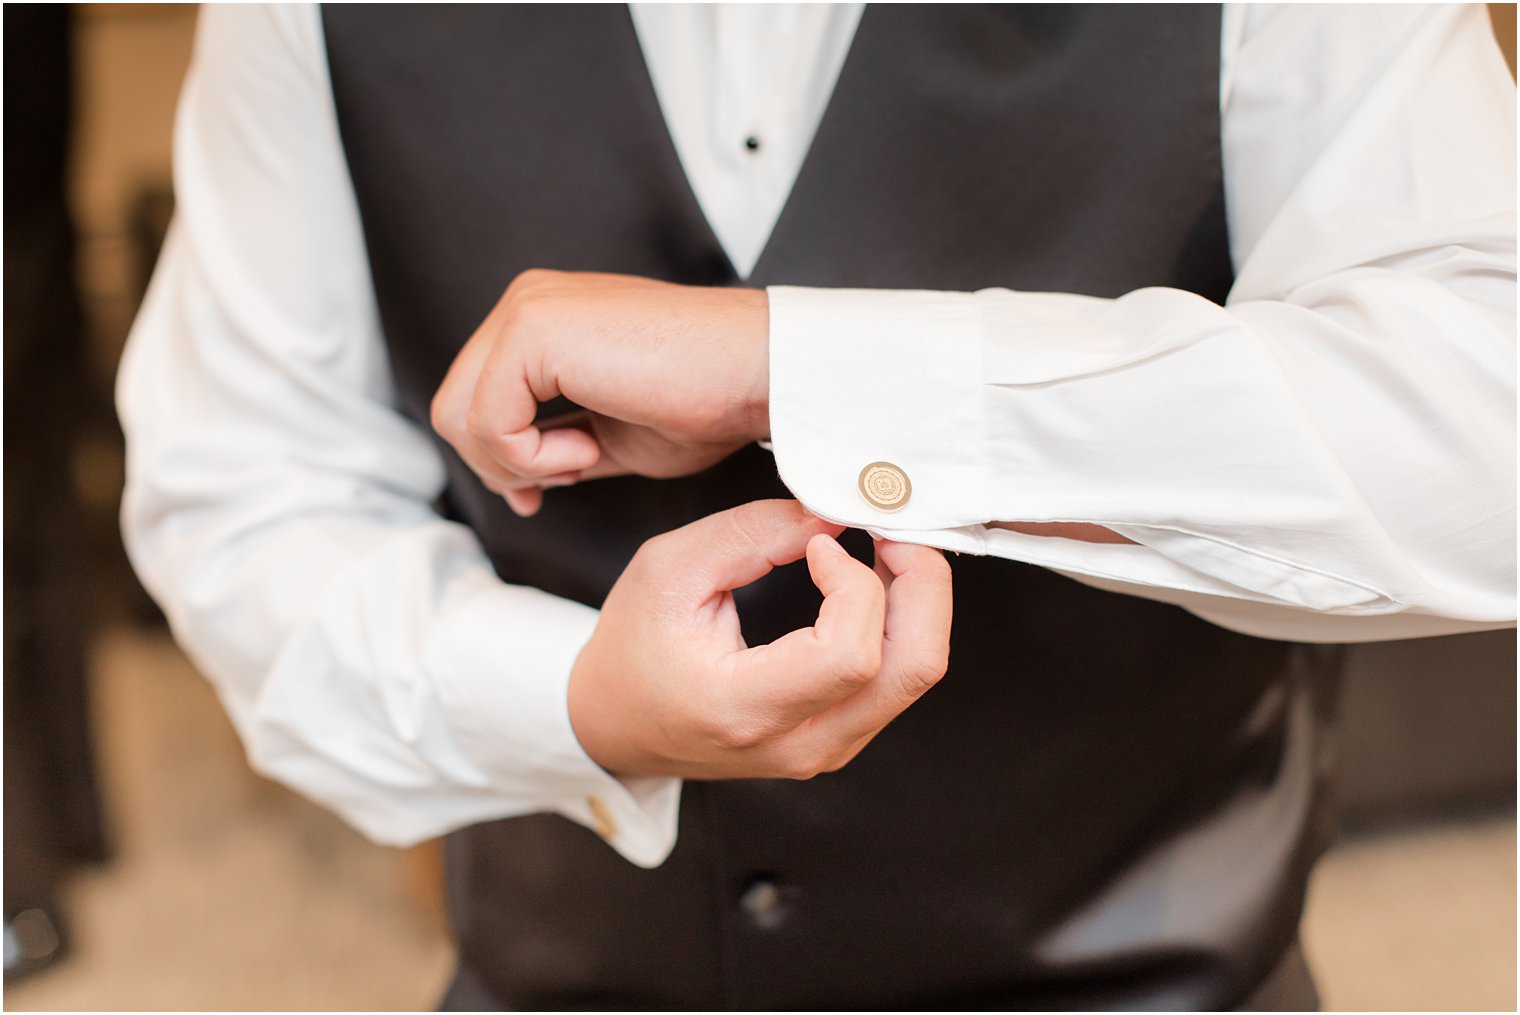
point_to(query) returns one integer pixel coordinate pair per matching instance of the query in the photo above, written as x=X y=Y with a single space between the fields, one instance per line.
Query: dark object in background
x=52 y=813
x=1428 y=731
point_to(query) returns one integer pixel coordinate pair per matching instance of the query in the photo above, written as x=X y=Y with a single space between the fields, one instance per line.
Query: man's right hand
x=667 y=687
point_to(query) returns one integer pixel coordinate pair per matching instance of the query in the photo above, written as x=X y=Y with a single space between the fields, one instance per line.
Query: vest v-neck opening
x=830 y=65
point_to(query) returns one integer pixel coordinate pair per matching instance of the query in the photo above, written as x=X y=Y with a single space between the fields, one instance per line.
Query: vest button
x=884 y=486
x=762 y=901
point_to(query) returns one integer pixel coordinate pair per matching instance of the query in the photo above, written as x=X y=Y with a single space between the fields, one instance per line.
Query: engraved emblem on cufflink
x=884 y=486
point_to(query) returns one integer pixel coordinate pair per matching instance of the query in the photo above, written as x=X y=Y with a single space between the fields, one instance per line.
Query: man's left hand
x=674 y=379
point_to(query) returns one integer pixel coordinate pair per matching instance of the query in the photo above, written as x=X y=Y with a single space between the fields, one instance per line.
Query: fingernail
x=831 y=543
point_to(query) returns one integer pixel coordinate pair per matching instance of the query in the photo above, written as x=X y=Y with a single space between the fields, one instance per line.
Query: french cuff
x=505 y=697
x=877 y=409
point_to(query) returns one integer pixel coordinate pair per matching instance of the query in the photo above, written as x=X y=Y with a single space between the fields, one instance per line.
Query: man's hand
x=666 y=686
x=675 y=379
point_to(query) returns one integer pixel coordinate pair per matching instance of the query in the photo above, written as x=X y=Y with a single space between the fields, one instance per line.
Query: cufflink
x=884 y=486
x=602 y=815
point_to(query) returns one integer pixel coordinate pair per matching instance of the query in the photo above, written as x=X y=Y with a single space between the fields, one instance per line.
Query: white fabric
x=1329 y=456
x=1335 y=444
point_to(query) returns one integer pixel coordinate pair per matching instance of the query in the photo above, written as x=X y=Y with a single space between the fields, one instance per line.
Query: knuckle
x=527 y=281
x=922 y=671
x=640 y=567
x=477 y=424
x=738 y=733
x=804 y=767
x=838 y=761
x=747 y=523
x=815 y=760
x=726 y=722
x=510 y=451
x=859 y=663
x=441 y=418
x=530 y=295
x=655 y=550
x=706 y=415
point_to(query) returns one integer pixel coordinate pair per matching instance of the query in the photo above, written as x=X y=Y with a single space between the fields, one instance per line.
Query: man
x=1278 y=396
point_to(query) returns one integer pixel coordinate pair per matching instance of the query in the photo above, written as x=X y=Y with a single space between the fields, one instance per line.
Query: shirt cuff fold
x=506 y=701
x=877 y=407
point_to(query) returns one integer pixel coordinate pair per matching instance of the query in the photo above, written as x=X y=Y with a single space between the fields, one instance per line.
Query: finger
x=492 y=476
x=563 y=479
x=498 y=480
x=503 y=406
x=525 y=501
x=915 y=647
x=733 y=548
x=853 y=614
x=879 y=566
x=504 y=401
x=791 y=679
x=839 y=761
x=578 y=420
x=919 y=614
x=808 y=751
x=451 y=418
x=523 y=496
x=605 y=466
x=531 y=452
x=450 y=409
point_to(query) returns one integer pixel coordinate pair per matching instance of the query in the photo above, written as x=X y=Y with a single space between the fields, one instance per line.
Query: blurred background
x=147 y=868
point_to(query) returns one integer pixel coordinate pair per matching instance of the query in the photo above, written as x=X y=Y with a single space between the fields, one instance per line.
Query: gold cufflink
x=602 y=815
x=884 y=486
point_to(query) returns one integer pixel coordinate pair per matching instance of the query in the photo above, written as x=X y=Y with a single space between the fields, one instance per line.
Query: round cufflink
x=884 y=486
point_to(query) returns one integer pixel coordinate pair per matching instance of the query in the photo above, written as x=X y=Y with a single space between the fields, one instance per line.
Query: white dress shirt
x=1329 y=456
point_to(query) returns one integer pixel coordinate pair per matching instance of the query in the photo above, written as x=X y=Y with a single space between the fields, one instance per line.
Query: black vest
x=1107 y=802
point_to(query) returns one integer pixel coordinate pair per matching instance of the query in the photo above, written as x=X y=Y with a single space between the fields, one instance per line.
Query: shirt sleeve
x=1329 y=456
x=279 y=507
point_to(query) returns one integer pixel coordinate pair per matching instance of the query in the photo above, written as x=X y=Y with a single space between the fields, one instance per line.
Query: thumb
x=802 y=672
x=733 y=548
x=916 y=649
x=585 y=422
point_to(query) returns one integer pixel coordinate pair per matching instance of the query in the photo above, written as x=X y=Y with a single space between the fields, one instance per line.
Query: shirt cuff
x=877 y=409
x=505 y=698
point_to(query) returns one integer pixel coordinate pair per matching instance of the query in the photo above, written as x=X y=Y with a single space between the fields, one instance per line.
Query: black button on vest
x=1107 y=802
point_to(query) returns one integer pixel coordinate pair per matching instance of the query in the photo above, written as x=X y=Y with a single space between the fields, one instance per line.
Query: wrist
x=756 y=339
x=584 y=718
x=597 y=723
